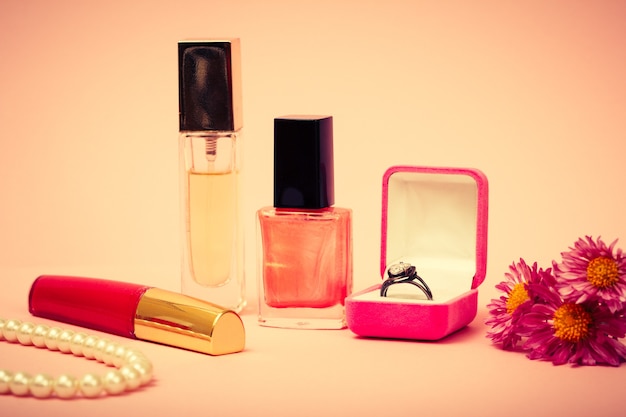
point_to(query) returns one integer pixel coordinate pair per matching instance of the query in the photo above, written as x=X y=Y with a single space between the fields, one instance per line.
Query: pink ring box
x=436 y=220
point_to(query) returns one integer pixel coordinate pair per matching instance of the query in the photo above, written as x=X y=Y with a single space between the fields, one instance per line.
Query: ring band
x=404 y=273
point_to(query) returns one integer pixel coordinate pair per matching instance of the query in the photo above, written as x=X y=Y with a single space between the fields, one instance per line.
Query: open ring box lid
x=436 y=220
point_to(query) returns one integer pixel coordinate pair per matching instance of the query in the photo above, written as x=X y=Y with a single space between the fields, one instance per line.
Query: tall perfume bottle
x=210 y=164
x=304 y=243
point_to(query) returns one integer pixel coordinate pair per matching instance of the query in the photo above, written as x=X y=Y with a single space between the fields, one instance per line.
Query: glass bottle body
x=305 y=267
x=212 y=256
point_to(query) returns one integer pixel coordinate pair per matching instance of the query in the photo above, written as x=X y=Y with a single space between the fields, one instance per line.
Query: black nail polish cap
x=303 y=162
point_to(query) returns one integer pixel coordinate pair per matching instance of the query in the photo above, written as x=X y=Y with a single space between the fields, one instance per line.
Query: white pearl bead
x=98 y=351
x=90 y=385
x=2 y=322
x=114 y=382
x=52 y=338
x=65 y=339
x=131 y=376
x=134 y=356
x=9 y=331
x=19 y=384
x=41 y=386
x=76 y=344
x=24 y=333
x=65 y=386
x=144 y=369
x=109 y=353
x=5 y=379
x=89 y=345
x=39 y=335
x=119 y=356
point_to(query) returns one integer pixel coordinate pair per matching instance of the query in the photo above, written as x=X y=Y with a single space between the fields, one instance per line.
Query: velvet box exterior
x=435 y=219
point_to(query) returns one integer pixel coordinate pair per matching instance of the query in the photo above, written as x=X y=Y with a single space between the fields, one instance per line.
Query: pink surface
x=311 y=373
x=532 y=93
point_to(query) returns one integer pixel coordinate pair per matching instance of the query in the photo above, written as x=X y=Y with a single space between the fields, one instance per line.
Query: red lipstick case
x=138 y=312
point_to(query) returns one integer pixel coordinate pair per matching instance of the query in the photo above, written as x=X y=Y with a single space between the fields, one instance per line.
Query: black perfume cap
x=209 y=85
x=303 y=162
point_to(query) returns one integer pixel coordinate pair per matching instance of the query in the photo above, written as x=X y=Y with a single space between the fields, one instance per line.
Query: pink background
x=532 y=93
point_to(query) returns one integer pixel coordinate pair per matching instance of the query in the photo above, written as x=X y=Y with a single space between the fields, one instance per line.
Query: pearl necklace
x=133 y=369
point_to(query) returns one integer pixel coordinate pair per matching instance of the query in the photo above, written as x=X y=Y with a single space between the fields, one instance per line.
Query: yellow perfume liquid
x=212 y=226
x=213 y=249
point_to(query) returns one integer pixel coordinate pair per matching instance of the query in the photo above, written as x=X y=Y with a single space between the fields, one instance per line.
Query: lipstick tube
x=138 y=312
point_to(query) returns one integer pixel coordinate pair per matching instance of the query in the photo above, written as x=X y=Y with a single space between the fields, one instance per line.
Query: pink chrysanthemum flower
x=591 y=270
x=561 y=331
x=506 y=311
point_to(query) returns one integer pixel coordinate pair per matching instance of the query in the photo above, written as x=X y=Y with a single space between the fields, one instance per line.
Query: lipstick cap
x=209 y=82
x=139 y=312
x=303 y=162
x=178 y=320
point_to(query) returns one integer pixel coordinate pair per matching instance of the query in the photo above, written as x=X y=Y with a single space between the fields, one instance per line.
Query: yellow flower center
x=517 y=296
x=602 y=272
x=571 y=323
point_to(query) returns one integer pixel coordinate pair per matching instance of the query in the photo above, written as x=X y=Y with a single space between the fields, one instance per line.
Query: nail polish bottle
x=210 y=163
x=304 y=243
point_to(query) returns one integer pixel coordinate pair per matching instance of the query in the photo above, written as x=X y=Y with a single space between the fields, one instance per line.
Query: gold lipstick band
x=189 y=323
